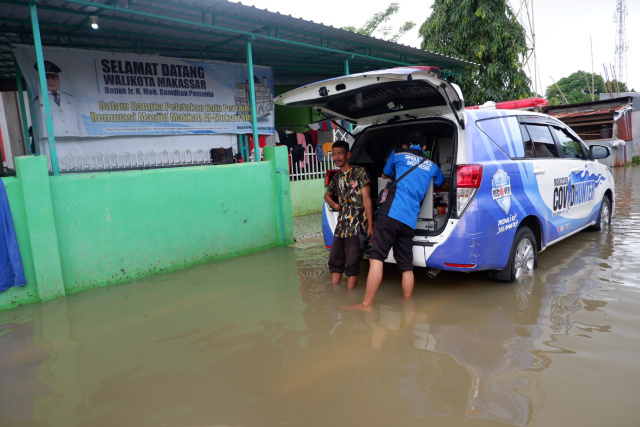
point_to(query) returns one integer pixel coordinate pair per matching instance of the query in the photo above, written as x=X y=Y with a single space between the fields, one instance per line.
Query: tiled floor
x=307 y=226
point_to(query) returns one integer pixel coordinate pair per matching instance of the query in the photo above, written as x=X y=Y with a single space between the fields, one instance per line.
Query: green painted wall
x=85 y=230
x=307 y=196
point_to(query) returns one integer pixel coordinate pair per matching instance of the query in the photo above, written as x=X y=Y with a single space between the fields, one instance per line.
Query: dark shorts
x=390 y=233
x=345 y=256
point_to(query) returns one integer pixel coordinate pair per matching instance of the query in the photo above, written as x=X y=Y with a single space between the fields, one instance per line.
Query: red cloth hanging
x=262 y=141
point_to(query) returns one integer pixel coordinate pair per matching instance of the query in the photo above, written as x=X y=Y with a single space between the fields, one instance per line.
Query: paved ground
x=307 y=226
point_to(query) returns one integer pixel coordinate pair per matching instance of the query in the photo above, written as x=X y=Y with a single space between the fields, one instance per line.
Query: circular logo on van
x=501 y=190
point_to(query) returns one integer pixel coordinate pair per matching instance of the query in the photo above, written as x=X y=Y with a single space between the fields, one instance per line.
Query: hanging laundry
x=314 y=136
x=262 y=142
x=303 y=142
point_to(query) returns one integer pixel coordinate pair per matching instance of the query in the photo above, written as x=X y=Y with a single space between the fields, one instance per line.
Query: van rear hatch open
x=379 y=96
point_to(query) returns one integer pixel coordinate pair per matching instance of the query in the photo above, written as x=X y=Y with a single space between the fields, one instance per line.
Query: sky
x=566 y=31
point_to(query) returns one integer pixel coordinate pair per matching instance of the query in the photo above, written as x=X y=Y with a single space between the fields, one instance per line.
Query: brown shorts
x=345 y=256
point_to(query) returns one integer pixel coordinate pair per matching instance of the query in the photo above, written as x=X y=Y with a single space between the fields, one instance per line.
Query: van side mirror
x=599 y=152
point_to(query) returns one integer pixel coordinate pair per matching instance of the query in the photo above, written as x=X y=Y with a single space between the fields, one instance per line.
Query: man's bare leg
x=336 y=278
x=352 y=281
x=407 y=283
x=373 y=283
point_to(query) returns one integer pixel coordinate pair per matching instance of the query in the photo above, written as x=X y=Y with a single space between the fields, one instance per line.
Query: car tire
x=523 y=257
x=604 y=216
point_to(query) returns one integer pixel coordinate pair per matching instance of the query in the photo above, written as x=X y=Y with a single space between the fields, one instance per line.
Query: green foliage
x=485 y=32
x=373 y=25
x=576 y=88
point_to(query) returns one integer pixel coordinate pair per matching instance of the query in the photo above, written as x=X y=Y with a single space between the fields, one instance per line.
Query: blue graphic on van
x=501 y=190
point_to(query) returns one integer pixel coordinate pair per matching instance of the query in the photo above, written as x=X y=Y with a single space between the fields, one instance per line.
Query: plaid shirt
x=347 y=187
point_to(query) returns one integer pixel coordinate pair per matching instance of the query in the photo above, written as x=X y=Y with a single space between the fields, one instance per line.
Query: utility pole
x=621 y=40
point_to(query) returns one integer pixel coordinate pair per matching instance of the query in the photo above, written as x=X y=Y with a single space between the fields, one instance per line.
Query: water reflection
x=20 y=364
x=261 y=340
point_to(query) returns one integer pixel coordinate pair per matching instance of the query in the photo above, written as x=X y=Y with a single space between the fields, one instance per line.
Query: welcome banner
x=101 y=94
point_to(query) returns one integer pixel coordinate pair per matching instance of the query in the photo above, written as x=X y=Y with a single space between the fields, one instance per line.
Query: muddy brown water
x=261 y=340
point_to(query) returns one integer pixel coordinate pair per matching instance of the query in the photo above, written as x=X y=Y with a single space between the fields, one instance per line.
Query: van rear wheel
x=523 y=258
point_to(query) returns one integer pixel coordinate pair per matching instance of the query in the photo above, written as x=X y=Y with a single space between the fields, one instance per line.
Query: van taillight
x=469 y=178
x=329 y=176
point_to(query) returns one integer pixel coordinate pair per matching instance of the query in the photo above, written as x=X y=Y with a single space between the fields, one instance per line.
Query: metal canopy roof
x=299 y=51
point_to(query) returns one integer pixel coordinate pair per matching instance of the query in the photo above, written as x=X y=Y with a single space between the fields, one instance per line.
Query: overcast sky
x=562 y=30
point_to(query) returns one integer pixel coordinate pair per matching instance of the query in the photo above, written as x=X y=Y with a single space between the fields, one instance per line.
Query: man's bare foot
x=357 y=307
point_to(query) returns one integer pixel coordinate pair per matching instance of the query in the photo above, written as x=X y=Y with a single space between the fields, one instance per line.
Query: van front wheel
x=604 y=217
x=522 y=259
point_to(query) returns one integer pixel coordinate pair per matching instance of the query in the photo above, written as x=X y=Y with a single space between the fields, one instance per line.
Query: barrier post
x=279 y=157
x=33 y=173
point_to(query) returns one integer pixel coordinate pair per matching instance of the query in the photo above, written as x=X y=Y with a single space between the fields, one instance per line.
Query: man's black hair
x=415 y=138
x=341 y=144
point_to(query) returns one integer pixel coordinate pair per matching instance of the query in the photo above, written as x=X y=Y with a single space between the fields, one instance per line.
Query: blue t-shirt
x=403 y=204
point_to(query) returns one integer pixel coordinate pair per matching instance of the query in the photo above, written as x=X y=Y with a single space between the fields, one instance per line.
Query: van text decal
x=507 y=223
x=574 y=190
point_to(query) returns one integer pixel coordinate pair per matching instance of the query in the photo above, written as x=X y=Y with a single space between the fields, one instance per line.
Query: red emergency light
x=517 y=104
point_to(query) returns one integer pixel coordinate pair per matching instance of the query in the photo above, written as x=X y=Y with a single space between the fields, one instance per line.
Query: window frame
x=581 y=144
x=553 y=142
x=515 y=143
x=551 y=122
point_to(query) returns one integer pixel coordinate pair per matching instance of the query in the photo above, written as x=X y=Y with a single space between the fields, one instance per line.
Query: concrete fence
x=84 y=230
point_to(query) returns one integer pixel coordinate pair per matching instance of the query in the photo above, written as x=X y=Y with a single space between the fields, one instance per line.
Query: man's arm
x=388 y=169
x=444 y=186
x=329 y=200
x=439 y=177
x=368 y=207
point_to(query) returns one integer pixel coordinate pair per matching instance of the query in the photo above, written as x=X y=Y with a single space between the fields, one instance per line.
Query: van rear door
x=379 y=96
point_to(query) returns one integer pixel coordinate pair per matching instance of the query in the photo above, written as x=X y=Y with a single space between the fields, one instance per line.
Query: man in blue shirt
x=397 y=217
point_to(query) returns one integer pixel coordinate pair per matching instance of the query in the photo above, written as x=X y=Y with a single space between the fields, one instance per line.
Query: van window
x=529 y=152
x=504 y=132
x=571 y=148
x=543 y=143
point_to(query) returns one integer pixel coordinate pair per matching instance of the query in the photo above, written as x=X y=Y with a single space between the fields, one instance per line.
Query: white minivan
x=520 y=180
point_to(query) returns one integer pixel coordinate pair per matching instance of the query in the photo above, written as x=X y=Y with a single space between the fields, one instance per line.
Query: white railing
x=127 y=161
x=310 y=167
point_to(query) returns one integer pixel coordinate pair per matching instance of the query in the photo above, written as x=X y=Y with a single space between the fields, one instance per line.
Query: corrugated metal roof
x=297 y=49
x=595 y=112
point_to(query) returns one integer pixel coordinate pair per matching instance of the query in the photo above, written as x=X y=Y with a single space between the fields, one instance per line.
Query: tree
x=576 y=88
x=485 y=32
x=374 y=22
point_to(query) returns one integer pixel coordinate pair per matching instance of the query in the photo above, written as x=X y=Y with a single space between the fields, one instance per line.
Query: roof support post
x=35 y=129
x=252 y=96
x=23 y=110
x=44 y=94
x=346 y=73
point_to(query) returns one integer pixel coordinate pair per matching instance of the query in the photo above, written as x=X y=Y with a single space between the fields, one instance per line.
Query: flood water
x=261 y=340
